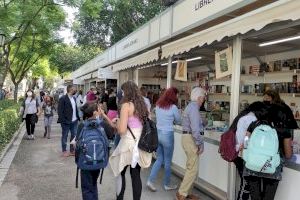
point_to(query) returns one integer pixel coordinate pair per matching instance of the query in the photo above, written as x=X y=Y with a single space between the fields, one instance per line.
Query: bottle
x=246 y=140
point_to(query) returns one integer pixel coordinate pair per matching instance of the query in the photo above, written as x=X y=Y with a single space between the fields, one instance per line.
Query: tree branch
x=12 y=76
x=7 y=4
x=27 y=69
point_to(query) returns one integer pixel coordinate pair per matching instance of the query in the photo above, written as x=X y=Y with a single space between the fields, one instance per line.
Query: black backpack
x=149 y=139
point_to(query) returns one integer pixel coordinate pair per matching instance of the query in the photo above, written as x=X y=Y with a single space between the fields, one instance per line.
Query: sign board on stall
x=136 y=41
x=223 y=62
x=202 y=11
x=181 y=71
x=107 y=73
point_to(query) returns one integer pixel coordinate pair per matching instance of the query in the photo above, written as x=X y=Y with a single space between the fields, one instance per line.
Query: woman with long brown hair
x=166 y=114
x=133 y=112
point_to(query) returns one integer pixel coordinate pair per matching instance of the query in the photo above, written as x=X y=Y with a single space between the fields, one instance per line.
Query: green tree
x=19 y=19
x=41 y=69
x=35 y=44
x=66 y=58
x=103 y=23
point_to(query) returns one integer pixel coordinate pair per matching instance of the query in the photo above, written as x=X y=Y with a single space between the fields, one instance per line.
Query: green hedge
x=9 y=121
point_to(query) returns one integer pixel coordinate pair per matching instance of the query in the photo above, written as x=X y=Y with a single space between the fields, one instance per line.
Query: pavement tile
x=38 y=172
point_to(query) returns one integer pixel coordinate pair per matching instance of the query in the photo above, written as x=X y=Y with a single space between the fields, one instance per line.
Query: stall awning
x=278 y=11
x=144 y=58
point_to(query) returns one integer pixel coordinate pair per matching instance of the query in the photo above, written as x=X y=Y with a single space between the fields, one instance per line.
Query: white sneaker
x=28 y=137
x=32 y=137
x=151 y=186
x=170 y=187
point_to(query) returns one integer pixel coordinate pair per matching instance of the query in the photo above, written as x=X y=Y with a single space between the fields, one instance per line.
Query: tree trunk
x=16 y=92
x=33 y=83
x=3 y=73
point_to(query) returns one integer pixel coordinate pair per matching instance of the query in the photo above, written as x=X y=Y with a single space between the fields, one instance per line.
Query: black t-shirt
x=104 y=98
x=112 y=103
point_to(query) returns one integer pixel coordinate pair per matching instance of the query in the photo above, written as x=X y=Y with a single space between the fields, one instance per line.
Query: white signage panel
x=133 y=42
x=107 y=73
x=189 y=12
x=165 y=24
x=154 y=33
x=102 y=59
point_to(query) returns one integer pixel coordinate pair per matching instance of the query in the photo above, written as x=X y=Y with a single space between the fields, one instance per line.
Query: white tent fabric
x=144 y=58
x=255 y=20
x=78 y=81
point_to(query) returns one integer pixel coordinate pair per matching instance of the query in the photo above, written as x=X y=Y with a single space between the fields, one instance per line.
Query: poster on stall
x=223 y=63
x=181 y=71
x=295 y=159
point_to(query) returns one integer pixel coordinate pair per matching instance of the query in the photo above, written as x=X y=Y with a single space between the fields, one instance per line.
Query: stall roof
x=255 y=20
x=141 y=59
x=167 y=27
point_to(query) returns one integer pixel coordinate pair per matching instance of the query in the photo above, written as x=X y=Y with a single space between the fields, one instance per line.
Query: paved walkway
x=38 y=172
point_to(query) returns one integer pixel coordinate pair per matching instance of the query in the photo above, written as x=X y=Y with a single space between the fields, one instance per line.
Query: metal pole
x=234 y=105
x=169 y=72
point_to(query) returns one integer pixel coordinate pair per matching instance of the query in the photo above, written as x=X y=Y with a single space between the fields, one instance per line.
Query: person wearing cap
x=192 y=142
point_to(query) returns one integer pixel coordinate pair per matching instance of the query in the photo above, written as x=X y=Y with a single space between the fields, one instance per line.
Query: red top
x=91 y=96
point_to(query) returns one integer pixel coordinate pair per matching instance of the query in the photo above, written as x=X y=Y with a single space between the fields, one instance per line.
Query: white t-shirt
x=79 y=101
x=30 y=106
x=74 y=117
x=242 y=127
x=148 y=104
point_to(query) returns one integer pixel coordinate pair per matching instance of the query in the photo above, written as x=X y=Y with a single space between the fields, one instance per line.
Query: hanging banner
x=181 y=71
x=223 y=63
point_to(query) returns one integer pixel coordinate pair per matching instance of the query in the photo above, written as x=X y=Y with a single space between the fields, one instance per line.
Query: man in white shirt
x=146 y=100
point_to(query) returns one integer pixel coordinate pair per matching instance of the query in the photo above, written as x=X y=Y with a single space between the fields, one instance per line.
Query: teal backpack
x=262 y=152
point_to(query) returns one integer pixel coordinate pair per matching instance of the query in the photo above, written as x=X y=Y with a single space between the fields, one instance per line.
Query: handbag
x=149 y=138
x=34 y=119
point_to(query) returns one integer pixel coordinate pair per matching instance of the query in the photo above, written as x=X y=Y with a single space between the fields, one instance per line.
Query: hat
x=197 y=92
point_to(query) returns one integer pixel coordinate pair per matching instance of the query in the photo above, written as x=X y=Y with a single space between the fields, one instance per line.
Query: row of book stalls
x=234 y=49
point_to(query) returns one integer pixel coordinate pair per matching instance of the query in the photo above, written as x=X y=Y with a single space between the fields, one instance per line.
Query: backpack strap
x=77 y=172
x=131 y=132
x=101 y=175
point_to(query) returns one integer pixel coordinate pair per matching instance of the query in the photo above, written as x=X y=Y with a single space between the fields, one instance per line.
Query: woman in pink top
x=133 y=111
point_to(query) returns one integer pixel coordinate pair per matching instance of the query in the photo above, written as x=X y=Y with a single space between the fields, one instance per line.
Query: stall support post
x=105 y=84
x=118 y=80
x=234 y=105
x=169 y=72
x=136 y=79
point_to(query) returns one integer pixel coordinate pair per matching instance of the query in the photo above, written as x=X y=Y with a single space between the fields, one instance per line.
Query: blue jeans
x=65 y=131
x=164 y=156
x=89 y=187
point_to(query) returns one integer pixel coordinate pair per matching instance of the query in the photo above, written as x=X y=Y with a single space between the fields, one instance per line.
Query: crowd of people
x=121 y=115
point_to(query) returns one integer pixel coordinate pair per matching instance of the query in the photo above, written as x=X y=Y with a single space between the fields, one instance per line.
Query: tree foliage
x=26 y=24
x=103 y=23
x=65 y=58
